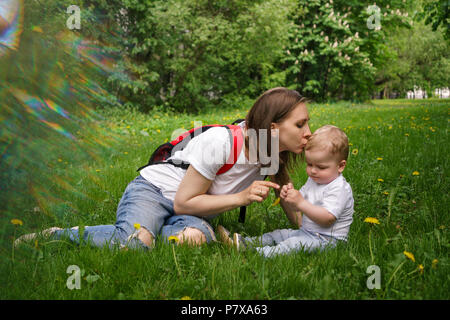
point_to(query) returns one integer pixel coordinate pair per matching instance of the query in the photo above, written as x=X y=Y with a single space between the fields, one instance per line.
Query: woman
x=171 y=201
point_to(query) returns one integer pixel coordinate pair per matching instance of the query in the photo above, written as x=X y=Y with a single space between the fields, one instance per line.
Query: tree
x=336 y=46
x=437 y=13
x=190 y=54
x=419 y=57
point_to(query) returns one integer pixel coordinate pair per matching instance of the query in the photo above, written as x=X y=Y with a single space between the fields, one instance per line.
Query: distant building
x=417 y=93
x=442 y=93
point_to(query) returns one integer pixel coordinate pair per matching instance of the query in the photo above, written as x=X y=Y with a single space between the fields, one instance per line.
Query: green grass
x=391 y=138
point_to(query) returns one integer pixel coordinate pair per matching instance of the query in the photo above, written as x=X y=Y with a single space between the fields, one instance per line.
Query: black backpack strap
x=238 y=121
x=243 y=209
x=242 y=214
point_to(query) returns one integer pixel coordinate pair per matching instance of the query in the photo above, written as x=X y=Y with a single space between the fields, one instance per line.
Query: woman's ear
x=274 y=127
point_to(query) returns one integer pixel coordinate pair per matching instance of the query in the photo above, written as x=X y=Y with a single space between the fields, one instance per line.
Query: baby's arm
x=292 y=213
x=318 y=214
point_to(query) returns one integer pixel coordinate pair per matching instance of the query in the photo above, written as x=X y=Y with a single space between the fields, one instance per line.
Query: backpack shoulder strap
x=237 y=141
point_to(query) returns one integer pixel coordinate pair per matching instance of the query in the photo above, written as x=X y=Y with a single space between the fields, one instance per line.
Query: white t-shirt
x=207 y=153
x=337 y=198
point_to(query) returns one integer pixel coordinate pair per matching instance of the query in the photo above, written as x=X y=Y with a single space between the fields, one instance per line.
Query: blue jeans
x=283 y=241
x=142 y=203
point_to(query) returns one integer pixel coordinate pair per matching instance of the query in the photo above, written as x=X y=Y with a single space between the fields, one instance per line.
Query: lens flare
x=39 y=107
x=11 y=13
x=52 y=139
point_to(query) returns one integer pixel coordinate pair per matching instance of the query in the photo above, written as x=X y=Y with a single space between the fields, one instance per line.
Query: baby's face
x=322 y=166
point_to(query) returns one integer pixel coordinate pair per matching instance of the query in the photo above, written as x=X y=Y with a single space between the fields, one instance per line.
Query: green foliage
x=420 y=57
x=191 y=54
x=195 y=54
x=332 y=52
x=437 y=14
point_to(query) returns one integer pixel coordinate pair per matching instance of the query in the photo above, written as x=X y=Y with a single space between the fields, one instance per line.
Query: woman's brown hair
x=274 y=105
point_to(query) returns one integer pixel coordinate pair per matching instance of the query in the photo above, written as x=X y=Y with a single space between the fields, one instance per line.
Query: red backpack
x=166 y=150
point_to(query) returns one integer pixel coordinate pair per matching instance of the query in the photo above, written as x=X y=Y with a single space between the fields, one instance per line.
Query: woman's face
x=294 y=130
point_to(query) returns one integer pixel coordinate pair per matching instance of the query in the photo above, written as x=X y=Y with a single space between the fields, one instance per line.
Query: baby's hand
x=285 y=189
x=293 y=198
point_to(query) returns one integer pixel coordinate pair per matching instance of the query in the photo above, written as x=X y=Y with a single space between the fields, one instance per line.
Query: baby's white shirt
x=337 y=198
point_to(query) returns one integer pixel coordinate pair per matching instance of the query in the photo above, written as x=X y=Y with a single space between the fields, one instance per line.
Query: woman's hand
x=258 y=191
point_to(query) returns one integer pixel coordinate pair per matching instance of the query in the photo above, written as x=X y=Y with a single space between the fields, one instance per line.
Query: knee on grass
x=191 y=236
x=146 y=237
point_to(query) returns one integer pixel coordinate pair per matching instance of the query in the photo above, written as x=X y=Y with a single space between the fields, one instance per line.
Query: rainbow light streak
x=58 y=128
x=88 y=50
x=35 y=106
x=59 y=110
x=10 y=38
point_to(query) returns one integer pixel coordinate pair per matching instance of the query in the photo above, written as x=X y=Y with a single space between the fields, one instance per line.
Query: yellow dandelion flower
x=409 y=255
x=277 y=201
x=157 y=130
x=173 y=238
x=97 y=170
x=60 y=160
x=386 y=193
x=372 y=220
x=380 y=180
x=186 y=298
x=415 y=173
x=407 y=134
x=137 y=226
x=17 y=222
x=421 y=268
x=354 y=152
x=379 y=158
x=126 y=152
x=434 y=263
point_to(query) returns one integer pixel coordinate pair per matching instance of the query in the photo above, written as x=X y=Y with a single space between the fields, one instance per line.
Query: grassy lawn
x=398 y=169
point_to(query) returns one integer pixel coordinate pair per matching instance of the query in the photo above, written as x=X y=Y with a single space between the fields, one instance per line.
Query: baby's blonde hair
x=330 y=138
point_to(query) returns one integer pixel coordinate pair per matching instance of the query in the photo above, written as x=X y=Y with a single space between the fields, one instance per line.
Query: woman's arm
x=191 y=197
